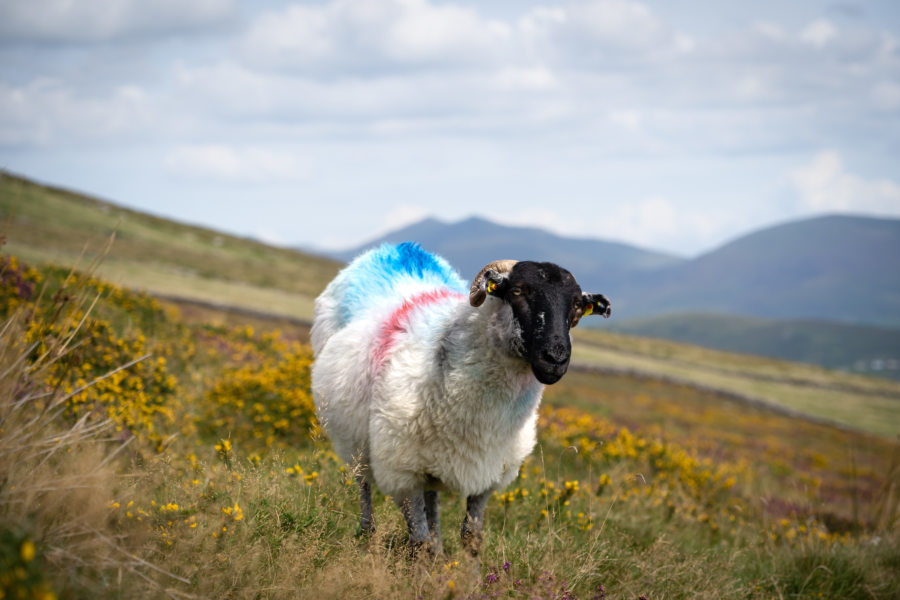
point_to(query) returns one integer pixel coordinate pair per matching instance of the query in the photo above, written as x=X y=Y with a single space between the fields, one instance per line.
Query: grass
x=870 y=404
x=199 y=472
x=53 y=226
x=835 y=345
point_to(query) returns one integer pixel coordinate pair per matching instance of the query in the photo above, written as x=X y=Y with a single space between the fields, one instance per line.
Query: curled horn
x=478 y=292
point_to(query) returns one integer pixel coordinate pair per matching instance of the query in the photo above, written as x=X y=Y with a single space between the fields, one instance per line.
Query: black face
x=544 y=299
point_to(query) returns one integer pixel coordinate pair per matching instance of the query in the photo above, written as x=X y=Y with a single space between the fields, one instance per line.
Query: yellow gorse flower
x=27 y=551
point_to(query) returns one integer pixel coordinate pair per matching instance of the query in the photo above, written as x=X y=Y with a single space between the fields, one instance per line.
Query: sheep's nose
x=555 y=353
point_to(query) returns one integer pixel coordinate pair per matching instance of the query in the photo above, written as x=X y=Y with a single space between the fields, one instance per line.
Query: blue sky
x=669 y=125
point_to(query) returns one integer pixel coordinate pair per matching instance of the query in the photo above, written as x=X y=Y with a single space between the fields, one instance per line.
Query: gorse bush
x=100 y=374
x=145 y=456
x=265 y=402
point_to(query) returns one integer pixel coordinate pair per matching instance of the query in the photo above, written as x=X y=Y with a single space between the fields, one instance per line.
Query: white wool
x=452 y=407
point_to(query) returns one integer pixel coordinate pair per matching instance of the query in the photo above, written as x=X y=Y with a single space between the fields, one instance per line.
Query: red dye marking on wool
x=397 y=322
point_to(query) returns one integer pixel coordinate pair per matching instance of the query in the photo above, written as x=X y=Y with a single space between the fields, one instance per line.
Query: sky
x=674 y=125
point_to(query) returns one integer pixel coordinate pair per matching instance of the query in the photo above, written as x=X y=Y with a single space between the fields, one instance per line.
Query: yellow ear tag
x=491 y=286
x=588 y=309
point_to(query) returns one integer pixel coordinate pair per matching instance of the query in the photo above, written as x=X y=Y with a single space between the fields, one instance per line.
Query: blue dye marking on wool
x=524 y=404
x=374 y=275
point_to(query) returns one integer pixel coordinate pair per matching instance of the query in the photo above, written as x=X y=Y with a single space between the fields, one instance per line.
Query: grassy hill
x=868 y=403
x=48 y=225
x=845 y=346
x=51 y=225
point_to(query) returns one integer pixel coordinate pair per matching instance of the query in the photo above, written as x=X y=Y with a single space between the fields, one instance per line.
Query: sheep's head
x=546 y=302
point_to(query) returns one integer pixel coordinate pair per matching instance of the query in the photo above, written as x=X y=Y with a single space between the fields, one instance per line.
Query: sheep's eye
x=576 y=304
x=516 y=291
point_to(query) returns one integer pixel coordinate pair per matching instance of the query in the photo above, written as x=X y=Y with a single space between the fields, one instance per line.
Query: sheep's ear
x=592 y=304
x=596 y=304
x=494 y=283
x=491 y=283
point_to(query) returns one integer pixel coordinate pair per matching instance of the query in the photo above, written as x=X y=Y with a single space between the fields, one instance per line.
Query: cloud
x=886 y=95
x=48 y=111
x=222 y=163
x=402 y=215
x=377 y=36
x=824 y=185
x=545 y=104
x=416 y=103
x=653 y=221
x=657 y=222
x=101 y=20
x=601 y=32
x=818 y=33
x=371 y=35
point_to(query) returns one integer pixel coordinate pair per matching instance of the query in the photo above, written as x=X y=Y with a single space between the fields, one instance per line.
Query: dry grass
x=56 y=473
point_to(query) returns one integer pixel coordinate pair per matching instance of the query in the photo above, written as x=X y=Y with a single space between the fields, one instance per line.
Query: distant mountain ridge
x=824 y=290
x=841 y=268
x=833 y=267
x=471 y=243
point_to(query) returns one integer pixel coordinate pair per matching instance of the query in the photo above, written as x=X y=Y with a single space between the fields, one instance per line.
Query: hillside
x=867 y=403
x=251 y=280
x=844 y=346
x=51 y=225
x=145 y=456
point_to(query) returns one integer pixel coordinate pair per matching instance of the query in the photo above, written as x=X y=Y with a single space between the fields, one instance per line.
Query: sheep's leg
x=413 y=509
x=473 y=524
x=366 y=518
x=433 y=516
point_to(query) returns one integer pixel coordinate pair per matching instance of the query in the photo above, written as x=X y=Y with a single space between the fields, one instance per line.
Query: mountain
x=470 y=244
x=841 y=268
x=824 y=290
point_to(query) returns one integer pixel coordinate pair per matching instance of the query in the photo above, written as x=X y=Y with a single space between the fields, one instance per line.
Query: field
x=161 y=449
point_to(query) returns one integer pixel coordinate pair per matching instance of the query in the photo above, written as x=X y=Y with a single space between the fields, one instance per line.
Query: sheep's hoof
x=424 y=551
x=471 y=541
x=365 y=532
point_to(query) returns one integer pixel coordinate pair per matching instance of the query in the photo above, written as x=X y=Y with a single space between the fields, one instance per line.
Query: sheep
x=422 y=391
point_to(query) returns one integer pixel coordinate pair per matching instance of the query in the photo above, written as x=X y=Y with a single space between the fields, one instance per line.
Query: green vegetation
x=868 y=403
x=51 y=226
x=849 y=347
x=199 y=472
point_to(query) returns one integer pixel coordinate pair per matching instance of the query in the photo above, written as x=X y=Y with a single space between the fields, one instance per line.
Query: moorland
x=158 y=439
